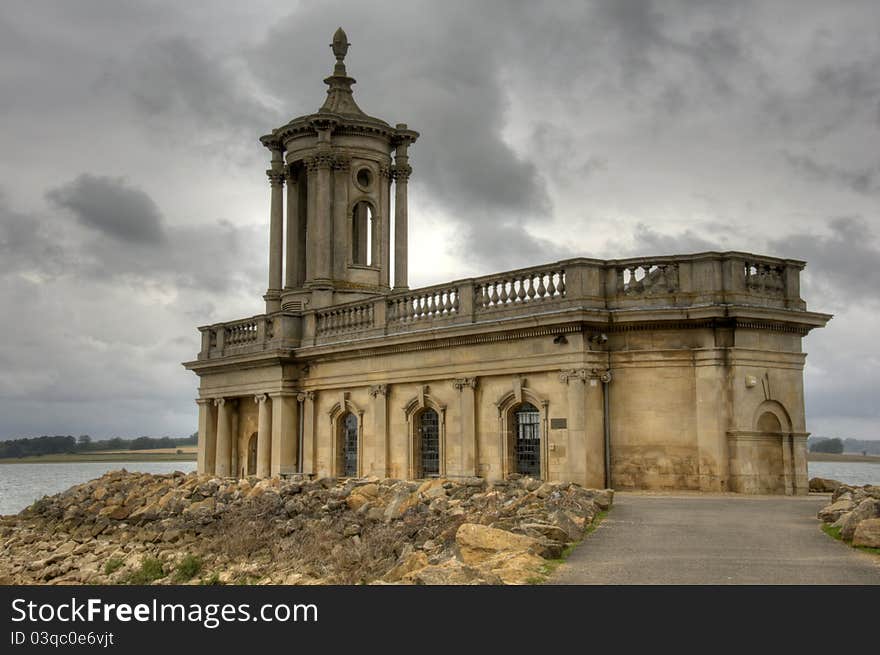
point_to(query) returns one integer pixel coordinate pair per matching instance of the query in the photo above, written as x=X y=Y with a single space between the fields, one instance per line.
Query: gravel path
x=715 y=539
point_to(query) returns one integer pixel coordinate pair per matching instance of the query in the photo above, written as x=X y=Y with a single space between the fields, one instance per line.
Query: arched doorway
x=252 y=455
x=527 y=440
x=348 y=445
x=428 y=427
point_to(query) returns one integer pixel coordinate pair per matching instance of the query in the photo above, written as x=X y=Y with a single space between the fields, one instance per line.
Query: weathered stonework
x=680 y=372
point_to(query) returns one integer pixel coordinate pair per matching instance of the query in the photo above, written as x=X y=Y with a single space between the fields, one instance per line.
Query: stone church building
x=667 y=372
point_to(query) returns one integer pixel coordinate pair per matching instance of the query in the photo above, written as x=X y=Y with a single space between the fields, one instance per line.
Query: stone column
x=341 y=226
x=401 y=172
x=224 y=439
x=276 y=232
x=307 y=406
x=322 y=222
x=385 y=226
x=207 y=447
x=284 y=433
x=470 y=456
x=264 y=435
x=787 y=465
x=381 y=458
x=293 y=232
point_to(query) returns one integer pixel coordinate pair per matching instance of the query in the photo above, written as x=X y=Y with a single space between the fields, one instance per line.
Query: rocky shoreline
x=854 y=512
x=140 y=528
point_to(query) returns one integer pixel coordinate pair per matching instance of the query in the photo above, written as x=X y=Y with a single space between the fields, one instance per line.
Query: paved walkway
x=715 y=539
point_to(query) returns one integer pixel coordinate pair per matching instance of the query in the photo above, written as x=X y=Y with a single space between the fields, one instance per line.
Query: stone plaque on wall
x=558 y=423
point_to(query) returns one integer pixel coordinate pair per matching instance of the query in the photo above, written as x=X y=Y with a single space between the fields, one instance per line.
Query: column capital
x=379 y=390
x=204 y=401
x=260 y=398
x=303 y=396
x=581 y=374
x=401 y=173
x=219 y=402
x=276 y=177
x=321 y=160
x=461 y=383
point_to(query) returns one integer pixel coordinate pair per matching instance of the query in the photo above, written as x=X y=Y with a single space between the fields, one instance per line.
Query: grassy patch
x=834 y=533
x=112 y=565
x=151 y=569
x=552 y=564
x=212 y=580
x=189 y=567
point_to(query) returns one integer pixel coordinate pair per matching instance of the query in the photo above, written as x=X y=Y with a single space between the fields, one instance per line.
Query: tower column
x=401 y=171
x=385 y=226
x=322 y=221
x=293 y=231
x=276 y=232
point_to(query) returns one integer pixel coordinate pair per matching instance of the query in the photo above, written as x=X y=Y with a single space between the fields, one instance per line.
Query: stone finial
x=340 y=49
x=340 y=44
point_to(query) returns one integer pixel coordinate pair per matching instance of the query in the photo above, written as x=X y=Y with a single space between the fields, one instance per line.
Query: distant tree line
x=834 y=445
x=848 y=445
x=46 y=445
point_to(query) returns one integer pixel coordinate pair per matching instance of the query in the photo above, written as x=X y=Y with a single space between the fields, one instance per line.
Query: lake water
x=22 y=484
x=848 y=472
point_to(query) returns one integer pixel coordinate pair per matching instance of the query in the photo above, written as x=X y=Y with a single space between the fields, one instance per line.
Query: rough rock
x=824 y=485
x=832 y=512
x=247 y=531
x=869 y=508
x=477 y=543
x=867 y=533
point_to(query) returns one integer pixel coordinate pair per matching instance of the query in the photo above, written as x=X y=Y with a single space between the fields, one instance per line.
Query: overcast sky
x=134 y=203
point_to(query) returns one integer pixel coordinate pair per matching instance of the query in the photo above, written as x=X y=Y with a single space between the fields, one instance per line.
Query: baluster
x=518 y=289
x=542 y=290
x=560 y=288
x=505 y=295
x=493 y=297
x=455 y=304
x=551 y=286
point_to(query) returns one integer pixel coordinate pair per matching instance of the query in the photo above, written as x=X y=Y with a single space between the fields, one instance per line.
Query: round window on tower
x=364 y=178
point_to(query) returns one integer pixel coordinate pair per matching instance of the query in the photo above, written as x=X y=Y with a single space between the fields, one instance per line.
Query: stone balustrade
x=519 y=287
x=681 y=281
x=342 y=319
x=429 y=304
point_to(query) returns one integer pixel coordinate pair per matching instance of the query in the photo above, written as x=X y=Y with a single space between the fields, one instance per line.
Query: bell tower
x=337 y=165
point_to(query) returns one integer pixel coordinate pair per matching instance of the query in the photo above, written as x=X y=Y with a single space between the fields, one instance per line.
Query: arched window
x=428 y=426
x=527 y=440
x=348 y=446
x=362 y=228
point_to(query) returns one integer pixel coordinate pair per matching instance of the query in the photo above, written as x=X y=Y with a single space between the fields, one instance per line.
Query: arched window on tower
x=362 y=234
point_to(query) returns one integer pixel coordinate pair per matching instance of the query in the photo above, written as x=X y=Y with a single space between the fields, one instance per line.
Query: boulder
x=451 y=572
x=824 y=485
x=867 y=533
x=867 y=509
x=832 y=512
x=414 y=561
x=477 y=543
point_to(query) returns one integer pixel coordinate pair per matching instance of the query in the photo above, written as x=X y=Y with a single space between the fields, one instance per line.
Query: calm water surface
x=848 y=472
x=22 y=484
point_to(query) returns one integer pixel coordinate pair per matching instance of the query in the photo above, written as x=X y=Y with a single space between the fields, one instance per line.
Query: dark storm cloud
x=439 y=76
x=112 y=207
x=142 y=250
x=843 y=264
x=175 y=84
x=864 y=180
